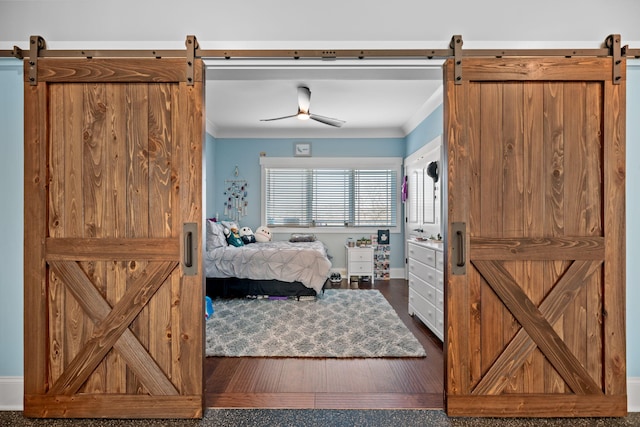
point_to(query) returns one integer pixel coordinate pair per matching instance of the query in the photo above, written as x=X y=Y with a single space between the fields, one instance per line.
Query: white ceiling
x=380 y=98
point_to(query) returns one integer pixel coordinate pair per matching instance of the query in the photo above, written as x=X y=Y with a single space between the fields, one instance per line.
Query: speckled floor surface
x=325 y=418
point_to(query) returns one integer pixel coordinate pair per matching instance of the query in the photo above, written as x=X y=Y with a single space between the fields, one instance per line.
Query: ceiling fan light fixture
x=304 y=98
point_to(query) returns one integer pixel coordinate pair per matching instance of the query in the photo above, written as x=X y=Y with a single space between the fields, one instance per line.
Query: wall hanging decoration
x=235 y=205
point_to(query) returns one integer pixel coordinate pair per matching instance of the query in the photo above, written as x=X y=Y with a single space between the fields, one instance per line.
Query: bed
x=274 y=269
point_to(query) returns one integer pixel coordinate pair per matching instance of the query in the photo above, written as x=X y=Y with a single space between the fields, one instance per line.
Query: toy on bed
x=263 y=234
x=247 y=236
x=233 y=238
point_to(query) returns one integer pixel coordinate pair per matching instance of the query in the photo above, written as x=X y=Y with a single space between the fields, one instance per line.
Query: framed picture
x=383 y=237
x=302 y=149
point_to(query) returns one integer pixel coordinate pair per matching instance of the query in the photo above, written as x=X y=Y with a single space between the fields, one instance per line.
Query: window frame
x=394 y=163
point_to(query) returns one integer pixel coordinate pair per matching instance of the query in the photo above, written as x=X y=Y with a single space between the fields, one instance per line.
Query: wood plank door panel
x=535 y=153
x=113 y=169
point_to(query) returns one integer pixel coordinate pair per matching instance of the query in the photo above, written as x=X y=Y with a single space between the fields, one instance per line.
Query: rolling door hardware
x=17 y=53
x=613 y=43
x=36 y=43
x=192 y=45
x=456 y=45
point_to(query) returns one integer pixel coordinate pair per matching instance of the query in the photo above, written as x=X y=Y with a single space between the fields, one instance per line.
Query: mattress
x=304 y=262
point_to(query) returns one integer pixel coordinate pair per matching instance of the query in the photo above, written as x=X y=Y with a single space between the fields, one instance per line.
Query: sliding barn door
x=113 y=208
x=536 y=238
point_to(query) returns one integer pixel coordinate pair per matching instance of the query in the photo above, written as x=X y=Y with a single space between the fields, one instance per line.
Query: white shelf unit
x=382 y=258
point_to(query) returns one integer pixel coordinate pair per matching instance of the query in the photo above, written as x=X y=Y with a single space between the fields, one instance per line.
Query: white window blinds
x=330 y=197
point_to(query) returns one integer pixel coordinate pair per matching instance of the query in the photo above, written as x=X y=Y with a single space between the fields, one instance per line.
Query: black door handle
x=190 y=246
x=461 y=258
x=458 y=248
x=188 y=249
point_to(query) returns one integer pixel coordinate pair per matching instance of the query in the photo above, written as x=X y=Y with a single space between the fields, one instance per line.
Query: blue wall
x=430 y=128
x=11 y=217
x=245 y=153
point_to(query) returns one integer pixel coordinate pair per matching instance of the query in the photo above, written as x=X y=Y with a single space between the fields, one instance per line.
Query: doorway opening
x=238 y=96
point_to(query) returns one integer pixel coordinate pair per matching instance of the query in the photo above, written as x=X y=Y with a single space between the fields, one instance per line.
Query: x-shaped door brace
x=536 y=327
x=112 y=328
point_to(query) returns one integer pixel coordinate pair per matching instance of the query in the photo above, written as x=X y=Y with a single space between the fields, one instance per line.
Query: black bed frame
x=240 y=288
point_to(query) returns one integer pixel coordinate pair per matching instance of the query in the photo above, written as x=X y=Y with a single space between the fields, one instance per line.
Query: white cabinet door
x=422 y=207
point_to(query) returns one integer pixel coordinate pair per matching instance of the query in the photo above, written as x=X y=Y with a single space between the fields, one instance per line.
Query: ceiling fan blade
x=278 y=118
x=304 y=99
x=327 y=120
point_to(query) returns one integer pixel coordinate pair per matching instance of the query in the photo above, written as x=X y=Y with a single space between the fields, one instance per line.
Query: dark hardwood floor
x=385 y=383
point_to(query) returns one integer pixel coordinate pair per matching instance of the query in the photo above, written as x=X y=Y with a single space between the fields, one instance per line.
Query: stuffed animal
x=247 y=235
x=263 y=234
x=233 y=238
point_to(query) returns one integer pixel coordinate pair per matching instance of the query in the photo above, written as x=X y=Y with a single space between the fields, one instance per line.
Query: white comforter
x=289 y=262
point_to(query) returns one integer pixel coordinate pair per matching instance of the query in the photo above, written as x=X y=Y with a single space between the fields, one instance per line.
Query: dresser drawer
x=427 y=313
x=360 y=267
x=423 y=271
x=417 y=304
x=439 y=283
x=423 y=309
x=439 y=302
x=424 y=289
x=439 y=261
x=361 y=255
x=439 y=324
x=422 y=254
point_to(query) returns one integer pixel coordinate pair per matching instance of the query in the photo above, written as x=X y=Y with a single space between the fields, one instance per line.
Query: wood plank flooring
x=306 y=383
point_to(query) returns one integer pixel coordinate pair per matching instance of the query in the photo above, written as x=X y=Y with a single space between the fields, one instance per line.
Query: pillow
x=215 y=235
x=302 y=238
x=230 y=225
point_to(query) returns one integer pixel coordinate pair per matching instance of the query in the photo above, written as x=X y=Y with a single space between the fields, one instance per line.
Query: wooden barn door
x=113 y=207
x=535 y=291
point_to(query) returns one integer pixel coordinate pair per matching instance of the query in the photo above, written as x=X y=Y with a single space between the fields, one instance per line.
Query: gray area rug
x=341 y=323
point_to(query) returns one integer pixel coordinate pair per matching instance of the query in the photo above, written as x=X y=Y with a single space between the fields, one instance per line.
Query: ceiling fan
x=304 y=100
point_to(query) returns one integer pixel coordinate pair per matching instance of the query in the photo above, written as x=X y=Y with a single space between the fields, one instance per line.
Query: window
x=328 y=193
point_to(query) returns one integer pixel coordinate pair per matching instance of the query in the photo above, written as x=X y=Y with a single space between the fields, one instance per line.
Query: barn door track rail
x=612 y=46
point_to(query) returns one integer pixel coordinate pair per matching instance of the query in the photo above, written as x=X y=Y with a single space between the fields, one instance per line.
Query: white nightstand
x=359 y=262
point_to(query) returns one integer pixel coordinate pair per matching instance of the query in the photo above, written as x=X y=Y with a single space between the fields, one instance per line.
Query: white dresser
x=426 y=284
x=359 y=262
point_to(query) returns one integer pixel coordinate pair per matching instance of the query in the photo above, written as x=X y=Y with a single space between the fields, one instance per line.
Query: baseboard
x=633 y=394
x=397 y=273
x=11 y=391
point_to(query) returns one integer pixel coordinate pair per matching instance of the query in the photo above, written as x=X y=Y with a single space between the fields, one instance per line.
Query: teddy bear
x=247 y=236
x=263 y=234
